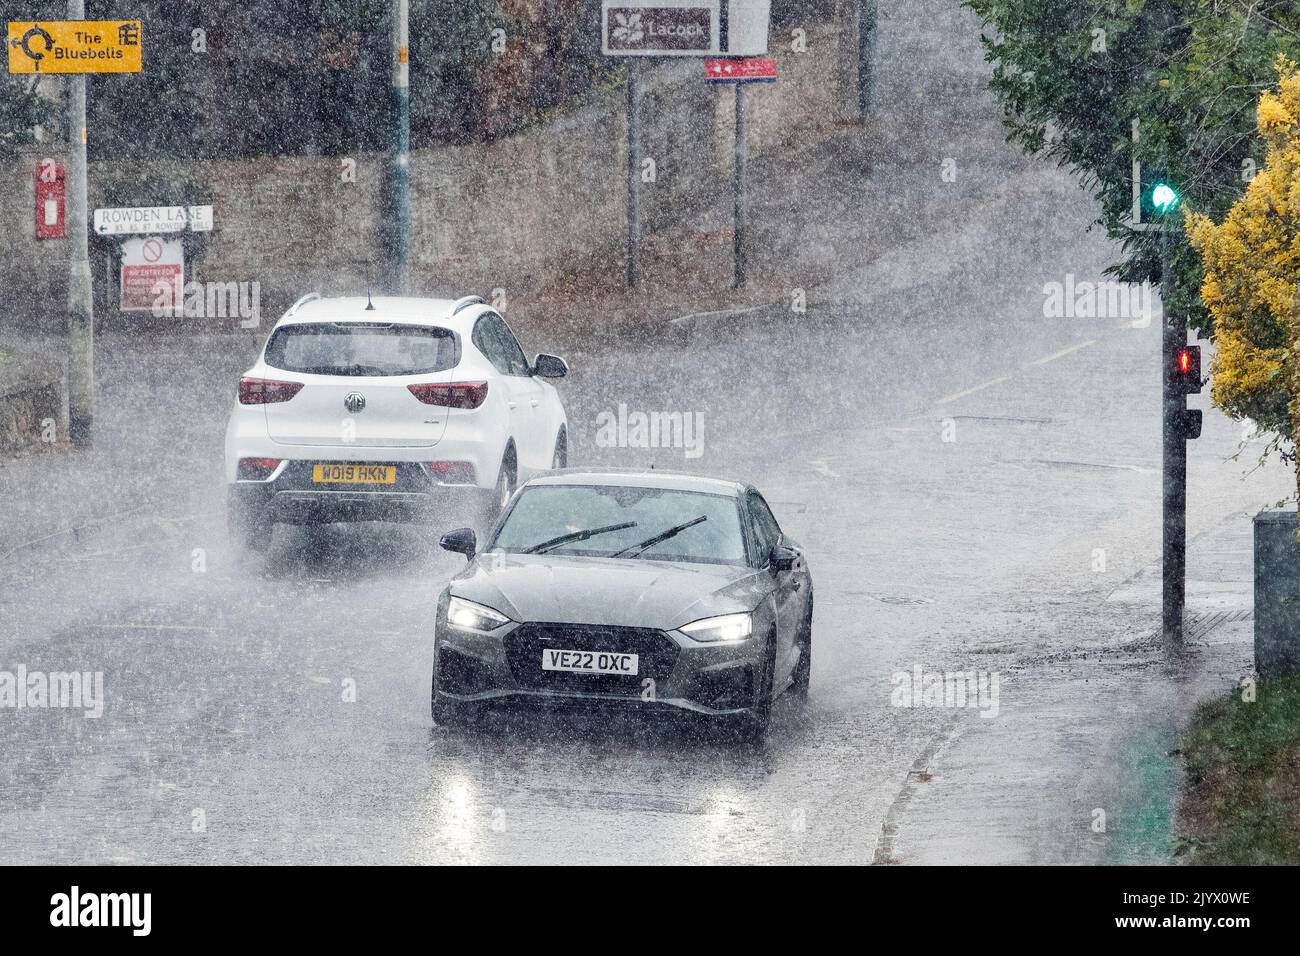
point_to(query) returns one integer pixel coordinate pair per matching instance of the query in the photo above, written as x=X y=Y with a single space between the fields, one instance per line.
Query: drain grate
x=1202 y=624
x=902 y=600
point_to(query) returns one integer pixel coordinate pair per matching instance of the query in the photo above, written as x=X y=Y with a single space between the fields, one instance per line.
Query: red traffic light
x=1187 y=370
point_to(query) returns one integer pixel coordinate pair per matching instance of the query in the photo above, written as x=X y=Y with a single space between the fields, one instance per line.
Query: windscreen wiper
x=577 y=536
x=661 y=536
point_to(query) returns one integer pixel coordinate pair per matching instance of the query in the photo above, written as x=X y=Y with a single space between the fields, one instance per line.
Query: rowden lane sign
x=660 y=27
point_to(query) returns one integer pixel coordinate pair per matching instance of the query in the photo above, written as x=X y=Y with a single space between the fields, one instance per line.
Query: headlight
x=469 y=616
x=726 y=627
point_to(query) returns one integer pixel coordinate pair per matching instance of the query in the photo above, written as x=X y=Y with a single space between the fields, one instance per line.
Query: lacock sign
x=684 y=27
x=663 y=28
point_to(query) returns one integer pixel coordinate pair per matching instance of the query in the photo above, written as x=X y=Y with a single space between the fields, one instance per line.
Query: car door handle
x=510 y=405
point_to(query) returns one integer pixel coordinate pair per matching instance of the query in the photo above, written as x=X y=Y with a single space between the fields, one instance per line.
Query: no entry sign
x=755 y=70
x=152 y=275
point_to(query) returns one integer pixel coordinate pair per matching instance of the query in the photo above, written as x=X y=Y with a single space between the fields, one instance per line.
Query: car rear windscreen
x=355 y=348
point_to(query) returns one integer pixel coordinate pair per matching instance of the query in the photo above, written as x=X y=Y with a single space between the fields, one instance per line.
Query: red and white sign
x=153 y=276
x=51 y=185
x=753 y=70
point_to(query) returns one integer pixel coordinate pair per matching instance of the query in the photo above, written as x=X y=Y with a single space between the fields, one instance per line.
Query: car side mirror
x=550 y=366
x=462 y=541
x=783 y=559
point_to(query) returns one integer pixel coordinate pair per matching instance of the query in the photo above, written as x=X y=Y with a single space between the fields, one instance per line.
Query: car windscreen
x=545 y=515
x=355 y=348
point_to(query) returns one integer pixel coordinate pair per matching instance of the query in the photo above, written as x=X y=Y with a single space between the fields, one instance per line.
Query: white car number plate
x=589 y=662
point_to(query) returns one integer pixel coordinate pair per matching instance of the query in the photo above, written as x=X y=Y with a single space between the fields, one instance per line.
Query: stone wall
x=519 y=213
x=33 y=413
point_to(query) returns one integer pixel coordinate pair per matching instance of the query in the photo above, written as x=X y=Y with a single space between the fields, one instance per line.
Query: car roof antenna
x=370 y=303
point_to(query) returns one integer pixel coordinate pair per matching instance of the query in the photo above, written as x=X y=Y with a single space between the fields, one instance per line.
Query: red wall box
x=51 y=206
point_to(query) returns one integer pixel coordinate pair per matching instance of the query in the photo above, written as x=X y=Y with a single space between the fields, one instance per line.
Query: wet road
x=952 y=461
x=276 y=709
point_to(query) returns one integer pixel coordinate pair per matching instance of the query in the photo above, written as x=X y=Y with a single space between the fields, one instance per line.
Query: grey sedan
x=640 y=589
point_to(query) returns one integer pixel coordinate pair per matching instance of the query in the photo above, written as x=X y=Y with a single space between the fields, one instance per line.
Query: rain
x=425 y=425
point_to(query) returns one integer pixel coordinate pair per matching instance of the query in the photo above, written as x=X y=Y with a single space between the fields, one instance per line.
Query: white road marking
x=150 y=627
x=1064 y=352
x=822 y=469
x=971 y=391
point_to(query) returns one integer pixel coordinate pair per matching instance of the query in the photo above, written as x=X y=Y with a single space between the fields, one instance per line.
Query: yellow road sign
x=74 y=46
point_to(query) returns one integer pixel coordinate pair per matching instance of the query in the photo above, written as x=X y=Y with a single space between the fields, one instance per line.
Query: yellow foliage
x=1252 y=274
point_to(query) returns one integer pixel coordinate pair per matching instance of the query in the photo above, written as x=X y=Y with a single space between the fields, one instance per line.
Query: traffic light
x=1187 y=424
x=1158 y=198
x=1187 y=370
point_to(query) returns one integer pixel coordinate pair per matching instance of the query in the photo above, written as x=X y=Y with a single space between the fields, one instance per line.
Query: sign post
x=77 y=46
x=633 y=173
x=399 y=174
x=740 y=73
x=738 y=192
x=704 y=28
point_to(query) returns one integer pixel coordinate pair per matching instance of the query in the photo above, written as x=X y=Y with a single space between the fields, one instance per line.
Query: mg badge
x=355 y=402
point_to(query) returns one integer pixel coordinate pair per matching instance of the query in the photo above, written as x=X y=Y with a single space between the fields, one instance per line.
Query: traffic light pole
x=1175 y=456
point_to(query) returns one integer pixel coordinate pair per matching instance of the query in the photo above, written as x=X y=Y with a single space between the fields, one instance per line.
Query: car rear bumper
x=711 y=679
x=470 y=451
x=292 y=497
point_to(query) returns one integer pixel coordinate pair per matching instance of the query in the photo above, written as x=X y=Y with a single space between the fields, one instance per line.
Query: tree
x=22 y=111
x=1252 y=275
x=24 y=107
x=1071 y=77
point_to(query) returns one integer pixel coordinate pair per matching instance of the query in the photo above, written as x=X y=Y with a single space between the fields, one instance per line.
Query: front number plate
x=354 y=474
x=589 y=662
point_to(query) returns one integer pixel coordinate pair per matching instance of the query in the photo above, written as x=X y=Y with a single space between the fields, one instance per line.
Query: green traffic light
x=1163 y=197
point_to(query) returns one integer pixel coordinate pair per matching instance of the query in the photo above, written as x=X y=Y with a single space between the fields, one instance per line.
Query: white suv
x=383 y=410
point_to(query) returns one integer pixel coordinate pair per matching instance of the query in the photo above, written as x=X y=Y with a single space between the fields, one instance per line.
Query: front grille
x=656 y=654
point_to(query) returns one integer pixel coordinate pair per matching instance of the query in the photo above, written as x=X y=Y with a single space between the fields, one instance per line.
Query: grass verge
x=1242 y=801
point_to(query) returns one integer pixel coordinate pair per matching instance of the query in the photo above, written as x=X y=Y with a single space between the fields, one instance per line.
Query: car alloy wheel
x=505 y=484
x=755 y=723
x=803 y=670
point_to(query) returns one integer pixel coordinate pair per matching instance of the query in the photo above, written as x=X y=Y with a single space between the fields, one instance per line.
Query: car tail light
x=454 y=472
x=265 y=391
x=257 y=469
x=451 y=395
